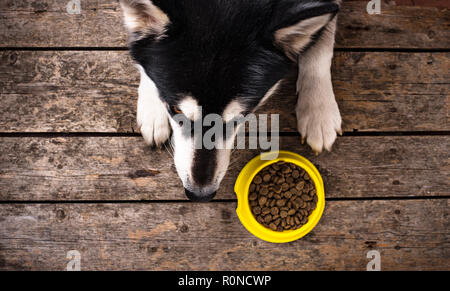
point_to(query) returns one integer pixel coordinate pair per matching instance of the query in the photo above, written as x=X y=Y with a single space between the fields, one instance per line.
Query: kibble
x=264 y=191
x=282 y=197
x=257 y=180
x=274 y=210
x=252 y=196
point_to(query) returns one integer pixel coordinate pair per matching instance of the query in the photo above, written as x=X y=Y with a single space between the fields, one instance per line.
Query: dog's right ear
x=143 y=18
x=295 y=23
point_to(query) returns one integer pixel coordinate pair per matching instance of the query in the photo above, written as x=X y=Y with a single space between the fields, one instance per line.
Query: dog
x=227 y=57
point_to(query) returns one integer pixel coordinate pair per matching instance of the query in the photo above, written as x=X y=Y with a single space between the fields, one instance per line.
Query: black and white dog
x=228 y=56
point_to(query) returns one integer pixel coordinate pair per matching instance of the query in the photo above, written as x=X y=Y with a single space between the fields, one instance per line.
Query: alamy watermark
x=75 y=260
x=74 y=7
x=375 y=260
x=214 y=132
x=374 y=7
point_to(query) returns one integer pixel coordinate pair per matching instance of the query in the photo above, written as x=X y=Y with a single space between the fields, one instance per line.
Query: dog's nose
x=199 y=198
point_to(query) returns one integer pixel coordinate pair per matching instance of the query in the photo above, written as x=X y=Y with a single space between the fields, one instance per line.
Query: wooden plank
x=67 y=91
x=424 y=3
x=26 y=23
x=75 y=91
x=410 y=235
x=123 y=168
x=397 y=26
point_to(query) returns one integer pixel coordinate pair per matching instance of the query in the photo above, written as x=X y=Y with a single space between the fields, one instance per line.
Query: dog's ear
x=295 y=23
x=143 y=18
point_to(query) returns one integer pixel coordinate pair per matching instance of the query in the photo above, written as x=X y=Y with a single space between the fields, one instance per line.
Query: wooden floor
x=76 y=175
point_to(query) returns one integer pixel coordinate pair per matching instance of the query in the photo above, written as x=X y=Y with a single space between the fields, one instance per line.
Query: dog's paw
x=319 y=124
x=155 y=129
x=153 y=121
x=152 y=115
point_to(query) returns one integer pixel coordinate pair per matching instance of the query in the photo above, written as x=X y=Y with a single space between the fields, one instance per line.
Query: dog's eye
x=176 y=109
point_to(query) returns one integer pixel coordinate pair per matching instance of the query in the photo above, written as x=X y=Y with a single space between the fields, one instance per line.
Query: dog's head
x=222 y=57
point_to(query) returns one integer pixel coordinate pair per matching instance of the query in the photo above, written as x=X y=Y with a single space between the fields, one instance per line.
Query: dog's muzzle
x=199 y=198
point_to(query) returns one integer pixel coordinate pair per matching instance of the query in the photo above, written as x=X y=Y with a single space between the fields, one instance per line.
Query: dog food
x=282 y=196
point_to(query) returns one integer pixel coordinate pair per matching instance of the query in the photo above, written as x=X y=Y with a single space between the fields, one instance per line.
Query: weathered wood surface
x=67 y=91
x=424 y=3
x=410 y=235
x=123 y=168
x=97 y=92
x=28 y=23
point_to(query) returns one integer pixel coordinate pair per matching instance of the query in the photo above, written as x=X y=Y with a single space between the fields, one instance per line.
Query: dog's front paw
x=319 y=123
x=153 y=120
x=155 y=129
x=152 y=115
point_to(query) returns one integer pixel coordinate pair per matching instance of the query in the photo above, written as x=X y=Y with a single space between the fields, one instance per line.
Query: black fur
x=219 y=50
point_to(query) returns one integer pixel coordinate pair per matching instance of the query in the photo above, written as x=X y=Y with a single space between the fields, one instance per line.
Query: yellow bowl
x=241 y=188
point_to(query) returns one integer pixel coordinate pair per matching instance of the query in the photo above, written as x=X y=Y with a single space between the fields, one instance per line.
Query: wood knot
x=12 y=59
x=371 y=244
x=431 y=34
x=226 y=215
x=184 y=228
x=60 y=214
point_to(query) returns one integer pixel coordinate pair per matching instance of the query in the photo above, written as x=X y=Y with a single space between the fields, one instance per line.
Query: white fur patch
x=189 y=107
x=223 y=161
x=152 y=115
x=232 y=110
x=269 y=93
x=183 y=153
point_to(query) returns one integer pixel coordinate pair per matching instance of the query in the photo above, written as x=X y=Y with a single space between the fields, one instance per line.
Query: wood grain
x=67 y=91
x=123 y=168
x=28 y=23
x=410 y=235
x=74 y=91
x=398 y=26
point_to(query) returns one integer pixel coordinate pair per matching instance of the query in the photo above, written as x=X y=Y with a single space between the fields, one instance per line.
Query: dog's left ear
x=143 y=18
x=295 y=23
